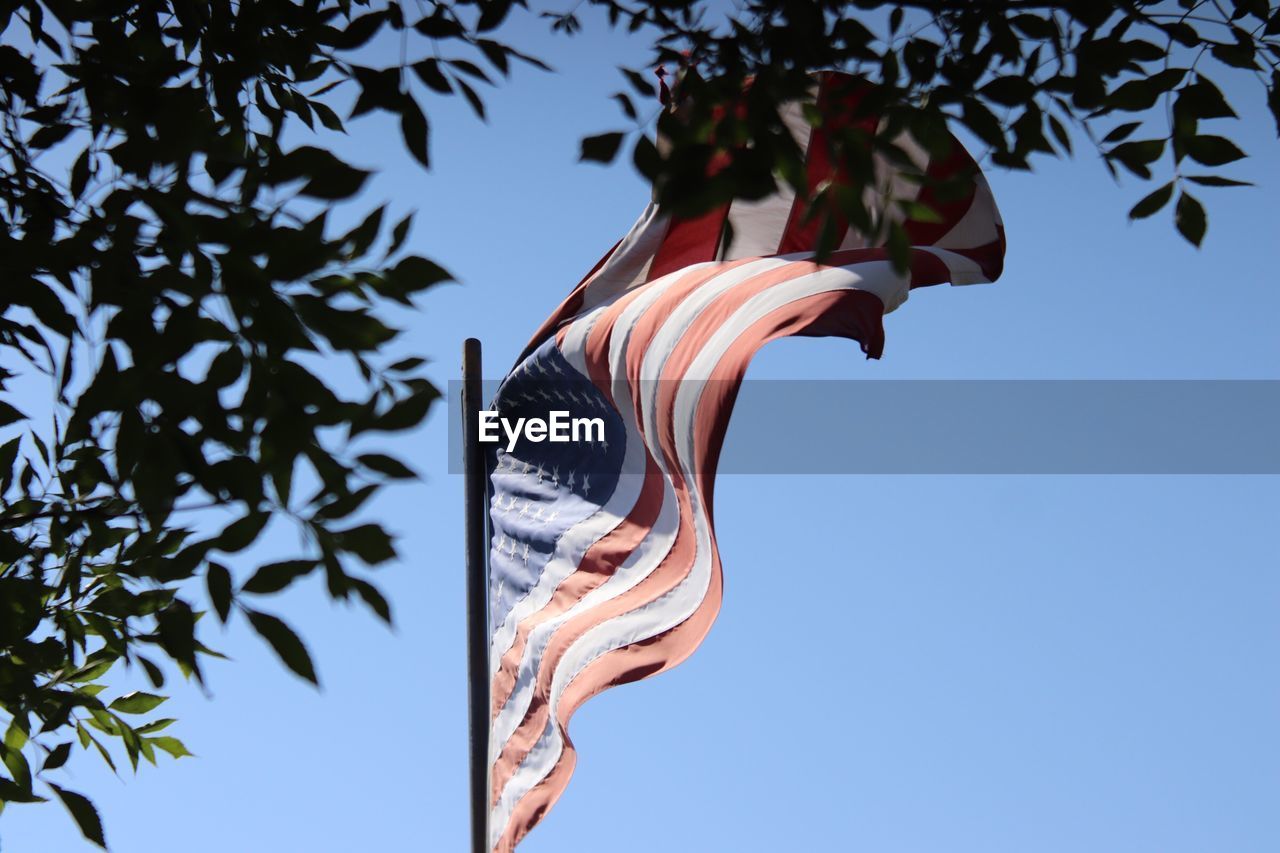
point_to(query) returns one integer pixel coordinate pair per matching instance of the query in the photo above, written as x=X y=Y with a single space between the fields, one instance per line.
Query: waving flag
x=603 y=559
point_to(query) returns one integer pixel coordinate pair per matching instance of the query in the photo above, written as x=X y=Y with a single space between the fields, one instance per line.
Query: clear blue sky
x=970 y=664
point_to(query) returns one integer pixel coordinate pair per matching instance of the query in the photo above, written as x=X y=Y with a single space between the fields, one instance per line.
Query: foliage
x=1136 y=78
x=171 y=269
x=172 y=272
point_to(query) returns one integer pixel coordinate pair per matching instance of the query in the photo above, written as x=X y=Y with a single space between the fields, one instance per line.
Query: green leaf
x=171 y=745
x=16 y=737
x=916 y=211
x=137 y=703
x=16 y=762
x=85 y=815
x=92 y=671
x=1152 y=202
x=274 y=577
x=1190 y=218
x=285 y=643
x=601 y=148
x=156 y=726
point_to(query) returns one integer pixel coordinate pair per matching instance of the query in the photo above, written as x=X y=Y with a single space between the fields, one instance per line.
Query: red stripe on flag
x=689 y=241
x=838 y=98
x=950 y=211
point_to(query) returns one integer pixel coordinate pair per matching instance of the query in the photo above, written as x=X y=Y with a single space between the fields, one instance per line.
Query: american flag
x=603 y=560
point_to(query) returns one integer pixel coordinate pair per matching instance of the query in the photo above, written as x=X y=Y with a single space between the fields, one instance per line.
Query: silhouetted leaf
x=369 y=542
x=1202 y=99
x=8 y=414
x=406 y=413
x=1190 y=219
x=58 y=756
x=1213 y=150
x=372 y=597
x=85 y=815
x=327 y=176
x=384 y=464
x=12 y=793
x=1153 y=202
x=1136 y=156
x=477 y=105
x=1216 y=181
x=1121 y=132
x=218 y=581
x=285 y=643
x=274 y=577
x=602 y=148
x=241 y=533
x=413 y=126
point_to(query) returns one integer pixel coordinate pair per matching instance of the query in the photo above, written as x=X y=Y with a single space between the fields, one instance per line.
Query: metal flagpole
x=474 y=506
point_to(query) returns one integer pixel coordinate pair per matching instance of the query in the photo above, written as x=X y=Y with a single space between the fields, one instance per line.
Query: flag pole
x=474 y=506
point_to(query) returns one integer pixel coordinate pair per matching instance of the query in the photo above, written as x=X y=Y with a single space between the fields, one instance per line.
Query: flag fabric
x=603 y=559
